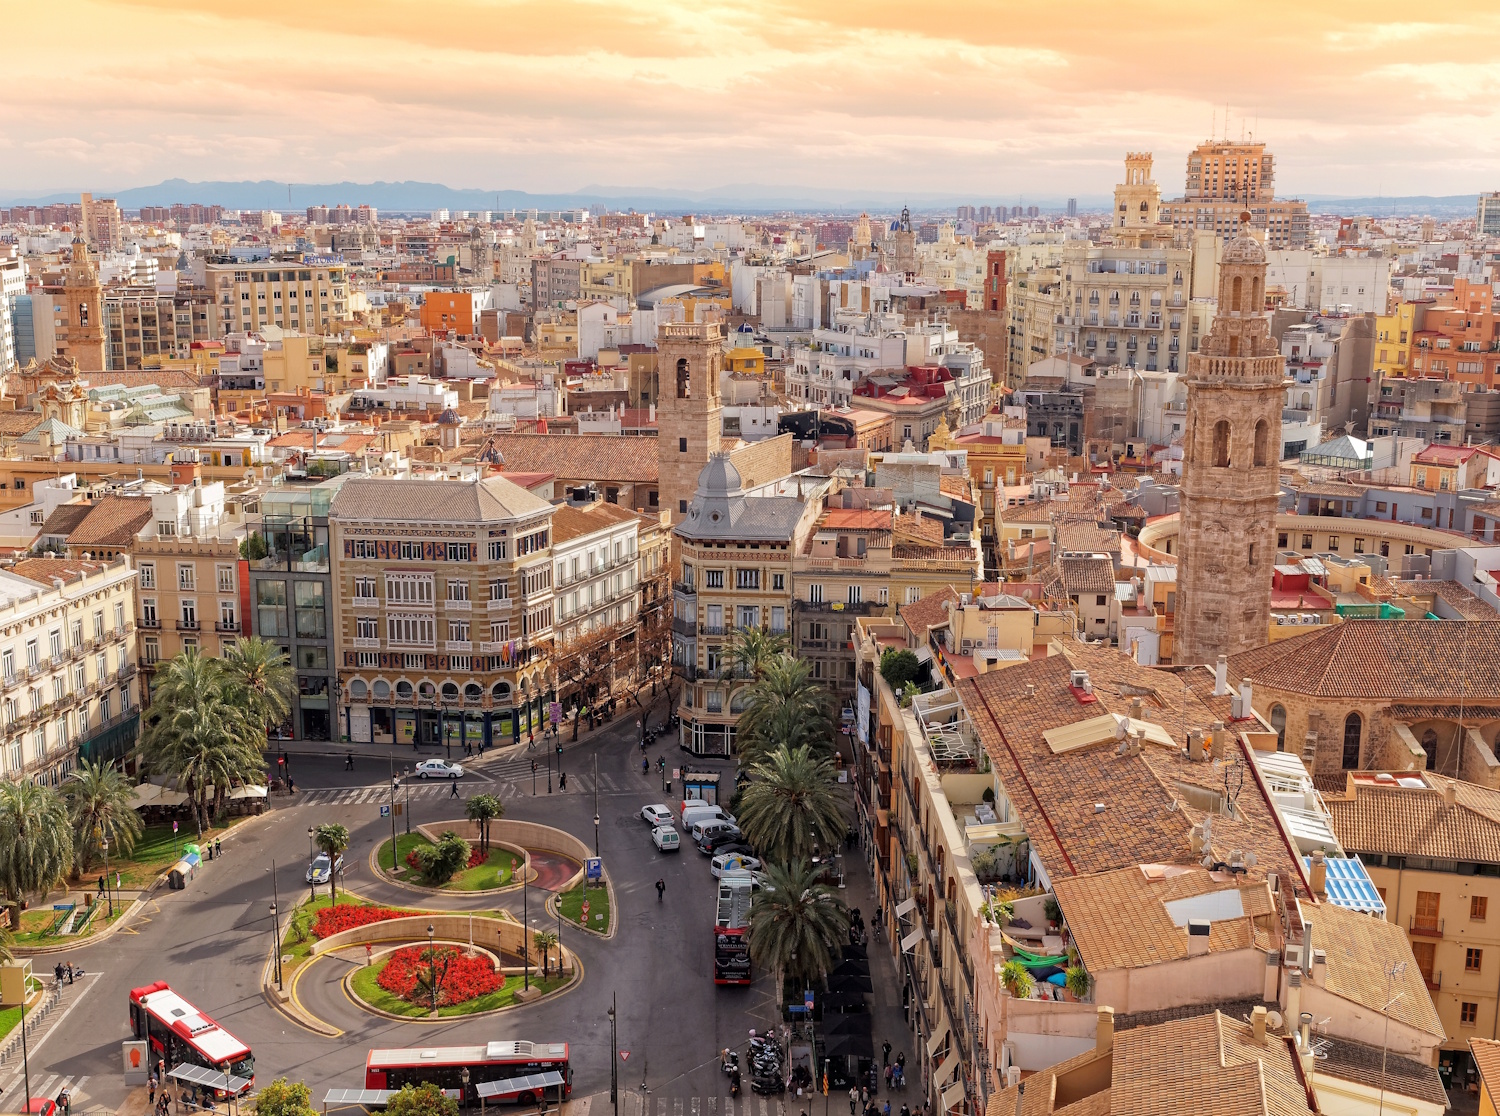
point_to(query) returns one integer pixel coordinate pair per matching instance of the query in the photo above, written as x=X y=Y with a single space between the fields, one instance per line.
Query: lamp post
x=109 y=893
x=525 y=930
x=432 y=967
x=395 y=783
x=275 y=900
x=276 y=943
x=312 y=892
x=465 y=1077
x=25 y=1056
x=596 y=836
x=406 y=810
x=614 y=1058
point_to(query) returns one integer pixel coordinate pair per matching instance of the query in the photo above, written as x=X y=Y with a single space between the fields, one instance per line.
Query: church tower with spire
x=1230 y=469
x=81 y=336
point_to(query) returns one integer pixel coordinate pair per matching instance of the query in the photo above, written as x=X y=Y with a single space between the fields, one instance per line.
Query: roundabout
x=447 y=980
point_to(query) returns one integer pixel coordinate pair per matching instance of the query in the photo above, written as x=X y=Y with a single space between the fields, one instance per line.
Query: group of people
x=161 y=1099
x=65 y=972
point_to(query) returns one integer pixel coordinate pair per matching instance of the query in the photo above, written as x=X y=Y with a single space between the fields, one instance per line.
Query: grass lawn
x=572 y=906
x=157 y=850
x=365 y=987
x=494 y=872
x=297 y=939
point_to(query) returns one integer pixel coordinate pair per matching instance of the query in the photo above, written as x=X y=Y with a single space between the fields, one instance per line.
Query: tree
x=332 y=839
x=755 y=649
x=899 y=667
x=481 y=810
x=791 y=807
x=586 y=660
x=101 y=803
x=438 y=862
x=284 y=1098
x=425 y=1099
x=795 y=924
x=259 y=673
x=253 y=547
x=785 y=706
x=544 y=940
x=36 y=842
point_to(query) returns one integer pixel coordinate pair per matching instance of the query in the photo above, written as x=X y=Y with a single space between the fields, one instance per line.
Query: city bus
x=179 y=1033
x=731 y=955
x=443 y=1066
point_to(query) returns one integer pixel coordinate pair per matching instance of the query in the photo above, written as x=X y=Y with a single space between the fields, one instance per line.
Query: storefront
x=380 y=713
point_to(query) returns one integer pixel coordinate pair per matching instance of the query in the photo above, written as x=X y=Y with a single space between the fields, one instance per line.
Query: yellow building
x=607 y=279
x=996 y=450
x=1393 y=340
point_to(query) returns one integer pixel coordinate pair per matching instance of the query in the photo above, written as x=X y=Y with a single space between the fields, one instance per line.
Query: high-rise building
x=1226 y=179
x=12 y=289
x=1072 y=207
x=1230 y=468
x=101 y=224
x=1489 y=214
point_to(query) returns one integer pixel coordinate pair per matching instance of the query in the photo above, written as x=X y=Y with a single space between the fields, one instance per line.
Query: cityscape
x=1000 y=621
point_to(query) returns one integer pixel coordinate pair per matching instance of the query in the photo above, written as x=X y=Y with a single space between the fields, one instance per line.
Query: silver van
x=692 y=814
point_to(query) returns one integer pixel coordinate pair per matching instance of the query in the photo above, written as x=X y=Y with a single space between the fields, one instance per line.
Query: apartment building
x=294 y=294
x=555 y=281
x=1125 y=305
x=596 y=551
x=67 y=677
x=737 y=549
x=142 y=325
x=842 y=571
x=1225 y=179
x=444 y=609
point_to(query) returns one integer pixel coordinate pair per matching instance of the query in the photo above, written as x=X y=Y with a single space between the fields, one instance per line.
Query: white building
x=410 y=393
x=1330 y=284
x=595 y=549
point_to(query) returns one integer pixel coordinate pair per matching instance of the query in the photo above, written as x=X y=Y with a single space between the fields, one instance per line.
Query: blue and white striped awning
x=1350 y=886
x=531 y=1083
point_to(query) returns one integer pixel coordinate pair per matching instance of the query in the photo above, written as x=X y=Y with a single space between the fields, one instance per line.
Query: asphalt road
x=211 y=941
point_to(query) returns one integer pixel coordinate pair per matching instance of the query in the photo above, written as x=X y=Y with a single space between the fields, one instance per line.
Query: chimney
x=1450 y=793
x=1319 y=966
x=1195 y=745
x=1319 y=878
x=1246 y=709
x=1135 y=709
x=1217 y=748
x=1304 y=1046
x=1221 y=677
x=1258 y=1024
x=1294 y=993
x=1104 y=1030
x=1197 y=936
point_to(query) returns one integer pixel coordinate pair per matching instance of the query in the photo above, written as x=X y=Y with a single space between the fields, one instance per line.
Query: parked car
x=318 y=870
x=694 y=811
x=711 y=828
x=665 y=838
x=438 y=769
x=732 y=862
x=714 y=844
x=656 y=814
x=738 y=845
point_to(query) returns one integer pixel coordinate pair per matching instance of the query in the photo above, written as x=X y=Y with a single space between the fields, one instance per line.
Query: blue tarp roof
x=1350 y=886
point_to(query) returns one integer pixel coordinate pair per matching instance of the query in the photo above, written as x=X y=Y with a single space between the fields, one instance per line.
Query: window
x=713 y=579
x=270 y=607
x=458 y=590
x=856 y=594
x=1099 y=599
x=499 y=630
x=1333 y=543
x=1221 y=444
x=1306 y=542
x=312 y=620
x=460 y=552
x=458 y=630
x=1478 y=907
x=815 y=593
x=778 y=582
x=749 y=616
x=1426 y=916
x=366 y=627
x=54 y=639
x=1262 y=447
x=913 y=594
x=189 y=619
x=99 y=625
x=407 y=589
x=1473 y=959
x=75 y=631
x=778 y=618
x=416 y=630
x=747 y=579
x=226 y=616
x=535 y=579
x=715 y=701
x=225 y=575
x=499 y=589
x=1468 y=1013
x=1278 y=722
x=498 y=550
x=364 y=589
x=187 y=577
x=148 y=575
x=1353 y=726
x=1359 y=546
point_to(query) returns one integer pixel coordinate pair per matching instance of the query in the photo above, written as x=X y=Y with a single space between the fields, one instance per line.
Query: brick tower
x=689 y=357
x=1229 y=469
x=83 y=312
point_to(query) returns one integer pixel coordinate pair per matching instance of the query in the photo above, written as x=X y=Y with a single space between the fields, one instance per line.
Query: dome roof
x=450 y=417
x=719 y=477
x=1244 y=249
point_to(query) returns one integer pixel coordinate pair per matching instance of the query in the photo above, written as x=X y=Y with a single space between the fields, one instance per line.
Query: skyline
x=996 y=106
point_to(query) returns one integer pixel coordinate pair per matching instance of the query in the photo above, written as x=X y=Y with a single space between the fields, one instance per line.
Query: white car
x=438 y=769
x=732 y=862
x=665 y=838
x=656 y=815
x=317 y=871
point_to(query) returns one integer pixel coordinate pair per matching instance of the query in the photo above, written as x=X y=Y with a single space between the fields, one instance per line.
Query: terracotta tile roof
x=1087 y=536
x=578 y=457
x=916 y=526
x=1040 y=1088
x=1096 y=1104
x=1360 y=1063
x=1359 y=948
x=45 y=569
x=112 y=521
x=1407 y=659
x=1469 y=606
x=1405 y=821
x=934 y=553
x=569 y=523
x=15 y=423
x=1040 y=512
x=1088 y=575
x=927 y=613
x=65 y=518
x=1487 y=1058
x=860 y=519
x=434 y=501
x=164 y=378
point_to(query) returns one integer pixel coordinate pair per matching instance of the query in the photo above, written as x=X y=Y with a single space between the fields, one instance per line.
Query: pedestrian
x=291 y=785
x=218 y=847
x=888 y=1070
x=853 y=1101
x=661 y=886
x=885 y=1053
x=901 y=1061
x=57 y=972
x=864 y=1096
x=453 y=788
x=562 y=780
x=151 y=1089
x=349 y=761
x=101 y=885
x=70 y=972
x=887 y=1109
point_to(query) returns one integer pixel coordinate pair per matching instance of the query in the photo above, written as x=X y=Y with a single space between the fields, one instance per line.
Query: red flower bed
x=411 y=859
x=476 y=858
x=460 y=978
x=346 y=916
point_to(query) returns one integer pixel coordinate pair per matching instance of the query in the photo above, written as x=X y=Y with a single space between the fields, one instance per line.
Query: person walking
x=853 y=1101
x=562 y=780
x=349 y=761
x=885 y=1053
x=218 y=847
x=453 y=788
x=661 y=886
x=151 y=1089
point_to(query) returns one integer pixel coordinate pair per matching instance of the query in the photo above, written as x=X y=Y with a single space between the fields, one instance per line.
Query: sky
x=992 y=98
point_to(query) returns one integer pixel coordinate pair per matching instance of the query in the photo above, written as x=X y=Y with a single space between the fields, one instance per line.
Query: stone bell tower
x=1230 y=475
x=83 y=312
x=1138 y=203
x=689 y=358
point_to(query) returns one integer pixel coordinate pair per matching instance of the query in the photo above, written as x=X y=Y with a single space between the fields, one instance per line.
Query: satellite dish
x=1250 y=859
x=1274 y=1020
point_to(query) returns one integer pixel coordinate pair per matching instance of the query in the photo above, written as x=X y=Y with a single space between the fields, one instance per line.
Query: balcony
x=458 y=645
x=1434 y=981
x=712 y=629
x=187 y=625
x=366 y=644
x=499 y=605
x=458 y=606
x=226 y=625
x=684 y=627
x=127 y=672
x=854 y=608
x=685 y=588
x=1425 y=927
x=149 y=623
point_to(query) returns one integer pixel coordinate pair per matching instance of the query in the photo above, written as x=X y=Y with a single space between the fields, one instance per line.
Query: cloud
x=994 y=98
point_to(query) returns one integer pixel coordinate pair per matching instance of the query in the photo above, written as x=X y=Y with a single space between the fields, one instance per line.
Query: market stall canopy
x=251 y=791
x=849 y=1046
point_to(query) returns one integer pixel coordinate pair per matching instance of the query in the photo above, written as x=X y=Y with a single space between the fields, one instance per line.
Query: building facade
x=293 y=294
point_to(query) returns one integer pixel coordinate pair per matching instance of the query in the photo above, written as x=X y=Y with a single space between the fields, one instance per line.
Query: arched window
x=1256 y=301
x=427 y=690
x=1307 y=400
x=1221 y=444
x=450 y=691
x=1237 y=294
x=1429 y=745
x=1353 y=725
x=1262 y=442
x=382 y=690
x=1278 y=722
x=359 y=690
x=1234 y=344
x=403 y=690
x=473 y=691
x=684 y=383
x=737 y=700
x=501 y=693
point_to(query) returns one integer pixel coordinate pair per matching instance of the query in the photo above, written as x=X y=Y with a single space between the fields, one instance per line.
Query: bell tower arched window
x=1262 y=443
x=1221 y=444
x=1353 y=727
x=684 y=380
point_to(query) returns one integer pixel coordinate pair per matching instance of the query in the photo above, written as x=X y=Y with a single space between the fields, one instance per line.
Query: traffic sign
x=385 y=811
x=593 y=868
x=554 y=712
x=624 y=1055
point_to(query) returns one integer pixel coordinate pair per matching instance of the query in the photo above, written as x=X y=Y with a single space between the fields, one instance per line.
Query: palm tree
x=260 y=674
x=6 y=941
x=787 y=706
x=755 y=649
x=483 y=809
x=102 y=805
x=544 y=940
x=795 y=924
x=332 y=839
x=36 y=842
x=791 y=808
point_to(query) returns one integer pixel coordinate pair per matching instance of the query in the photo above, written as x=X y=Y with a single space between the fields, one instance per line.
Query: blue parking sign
x=593 y=868
x=385 y=811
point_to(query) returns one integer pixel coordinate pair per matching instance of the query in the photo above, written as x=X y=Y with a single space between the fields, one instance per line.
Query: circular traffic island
x=408 y=981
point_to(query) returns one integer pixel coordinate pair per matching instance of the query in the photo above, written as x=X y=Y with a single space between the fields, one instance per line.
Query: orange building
x=1460 y=338
x=448 y=310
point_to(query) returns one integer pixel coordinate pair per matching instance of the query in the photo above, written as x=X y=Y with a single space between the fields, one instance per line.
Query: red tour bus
x=178 y=1032
x=443 y=1066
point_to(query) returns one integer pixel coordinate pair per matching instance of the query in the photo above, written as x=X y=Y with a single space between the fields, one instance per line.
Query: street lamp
x=109 y=894
x=525 y=930
x=395 y=783
x=464 y=1075
x=406 y=811
x=25 y=1057
x=614 y=1058
x=432 y=967
x=276 y=943
x=312 y=893
x=596 y=836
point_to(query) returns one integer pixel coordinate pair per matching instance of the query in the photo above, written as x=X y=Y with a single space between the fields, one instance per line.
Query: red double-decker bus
x=443 y=1066
x=731 y=955
x=179 y=1033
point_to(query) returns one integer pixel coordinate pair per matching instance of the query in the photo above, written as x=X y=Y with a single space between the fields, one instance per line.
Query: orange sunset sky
x=997 y=100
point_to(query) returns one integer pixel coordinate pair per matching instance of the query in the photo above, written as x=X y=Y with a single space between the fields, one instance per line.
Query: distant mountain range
x=422 y=197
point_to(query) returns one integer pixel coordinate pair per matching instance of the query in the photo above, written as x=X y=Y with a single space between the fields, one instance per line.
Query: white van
x=694 y=812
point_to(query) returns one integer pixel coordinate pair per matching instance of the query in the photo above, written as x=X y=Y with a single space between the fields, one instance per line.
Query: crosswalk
x=518 y=786
x=633 y=1103
x=46 y=1085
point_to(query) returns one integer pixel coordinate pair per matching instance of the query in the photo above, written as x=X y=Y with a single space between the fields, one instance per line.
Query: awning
x=375 y=1098
x=252 y=791
x=945 y=1070
x=905 y=907
x=937 y=1039
x=214 y=1079
x=909 y=942
x=144 y=795
x=534 y=1082
x=953 y=1096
